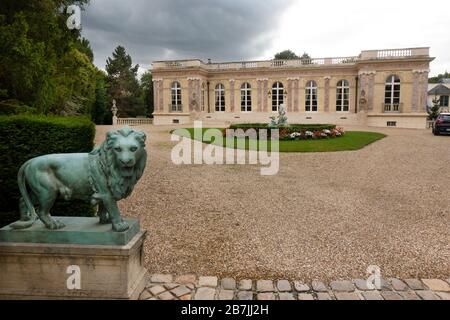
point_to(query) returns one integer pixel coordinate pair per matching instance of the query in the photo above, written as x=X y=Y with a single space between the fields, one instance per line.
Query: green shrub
x=24 y=137
x=11 y=107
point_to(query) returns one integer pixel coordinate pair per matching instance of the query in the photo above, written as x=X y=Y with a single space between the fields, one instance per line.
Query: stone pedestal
x=49 y=270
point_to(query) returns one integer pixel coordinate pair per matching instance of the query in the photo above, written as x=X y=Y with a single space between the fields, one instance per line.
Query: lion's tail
x=26 y=221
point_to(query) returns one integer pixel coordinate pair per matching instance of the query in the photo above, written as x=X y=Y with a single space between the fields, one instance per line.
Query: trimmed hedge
x=11 y=107
x=287 y=130
x=24 y=137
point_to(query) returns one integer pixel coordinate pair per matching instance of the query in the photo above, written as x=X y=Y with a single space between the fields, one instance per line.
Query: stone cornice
x=421 y=71
x=366 y=72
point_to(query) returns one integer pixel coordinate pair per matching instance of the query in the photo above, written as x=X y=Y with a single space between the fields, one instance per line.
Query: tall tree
x=123 y=83
x=286 y=55
x=147 y=91
x=35 y=46
x=100 y=107
x=84 y=46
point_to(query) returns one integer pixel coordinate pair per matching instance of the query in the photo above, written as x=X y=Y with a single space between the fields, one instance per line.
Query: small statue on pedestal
x=114 y=112
x=282 y=118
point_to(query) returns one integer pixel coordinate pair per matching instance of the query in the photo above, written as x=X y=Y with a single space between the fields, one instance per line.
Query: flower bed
x=317 y=134
x=295 y=131
x=292 y=127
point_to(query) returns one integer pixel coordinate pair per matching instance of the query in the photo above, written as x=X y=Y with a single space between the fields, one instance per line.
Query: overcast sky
x=234 y=30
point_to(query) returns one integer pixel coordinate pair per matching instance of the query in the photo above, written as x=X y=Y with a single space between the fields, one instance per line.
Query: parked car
x=442 y=124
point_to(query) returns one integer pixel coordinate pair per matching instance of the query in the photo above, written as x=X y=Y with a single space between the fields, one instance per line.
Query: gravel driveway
x=324 y=216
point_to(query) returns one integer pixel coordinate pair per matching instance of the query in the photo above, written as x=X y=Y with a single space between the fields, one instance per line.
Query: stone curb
x=190 y=287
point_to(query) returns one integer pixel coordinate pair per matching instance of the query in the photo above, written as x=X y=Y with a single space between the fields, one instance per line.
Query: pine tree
x=123 y=83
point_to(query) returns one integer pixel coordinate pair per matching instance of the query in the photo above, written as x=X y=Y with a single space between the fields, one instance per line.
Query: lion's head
x=123 y=158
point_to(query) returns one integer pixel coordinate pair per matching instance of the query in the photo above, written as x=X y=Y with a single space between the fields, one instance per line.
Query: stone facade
x=366 y=74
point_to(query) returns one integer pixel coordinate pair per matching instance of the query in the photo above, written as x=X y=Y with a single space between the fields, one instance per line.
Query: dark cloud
x=179 y=29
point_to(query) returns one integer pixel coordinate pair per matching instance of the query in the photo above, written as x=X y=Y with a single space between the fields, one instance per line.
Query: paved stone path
x=190 y=287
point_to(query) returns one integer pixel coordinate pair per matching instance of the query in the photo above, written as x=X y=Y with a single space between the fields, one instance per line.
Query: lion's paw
x=55 y=225
x=120 y=226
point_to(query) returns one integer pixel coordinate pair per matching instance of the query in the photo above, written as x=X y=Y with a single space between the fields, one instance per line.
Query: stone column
x=158 y=94
x=296 y=95
x=232 y=95
x=326 y=103
x=194 y=93
x=155 y=96
x=191 y=106
x=260 y=95
x=415 y=91
x=290 y=95
x=198 y=93
x=265 y=98
x=423 y=102
x=363 y=87
x=371 y=91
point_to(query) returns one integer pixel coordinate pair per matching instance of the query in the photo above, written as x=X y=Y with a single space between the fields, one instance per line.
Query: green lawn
x=352 y=140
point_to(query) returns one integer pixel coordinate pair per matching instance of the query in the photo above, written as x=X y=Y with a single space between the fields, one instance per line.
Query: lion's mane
x=121 y=187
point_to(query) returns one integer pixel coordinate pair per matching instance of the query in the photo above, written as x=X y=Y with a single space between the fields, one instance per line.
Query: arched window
x=342 y=96
x=246 y=97
x=392 y=94
x=311 y=96
x=176 y=96
x=277 y=95
x=220 y=97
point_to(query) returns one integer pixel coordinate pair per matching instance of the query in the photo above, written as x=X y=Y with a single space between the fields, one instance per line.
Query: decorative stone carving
x=266 y=87
x=190 y=96
x=327 y=94
x=260 y=95
x=232 y=95
x=290 y=85
x=194 y=93
x=415 y=92
x=423 y=74
x=158 y=94
x=104 y=176
x=366 y=72
x=296 y=93
x=370 y=96
x=198 y=94
x=362 y=101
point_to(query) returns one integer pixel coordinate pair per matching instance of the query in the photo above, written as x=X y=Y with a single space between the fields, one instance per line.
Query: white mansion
x=375 y=88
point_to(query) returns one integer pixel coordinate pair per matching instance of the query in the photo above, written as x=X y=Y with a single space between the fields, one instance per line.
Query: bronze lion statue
x=102 y=177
